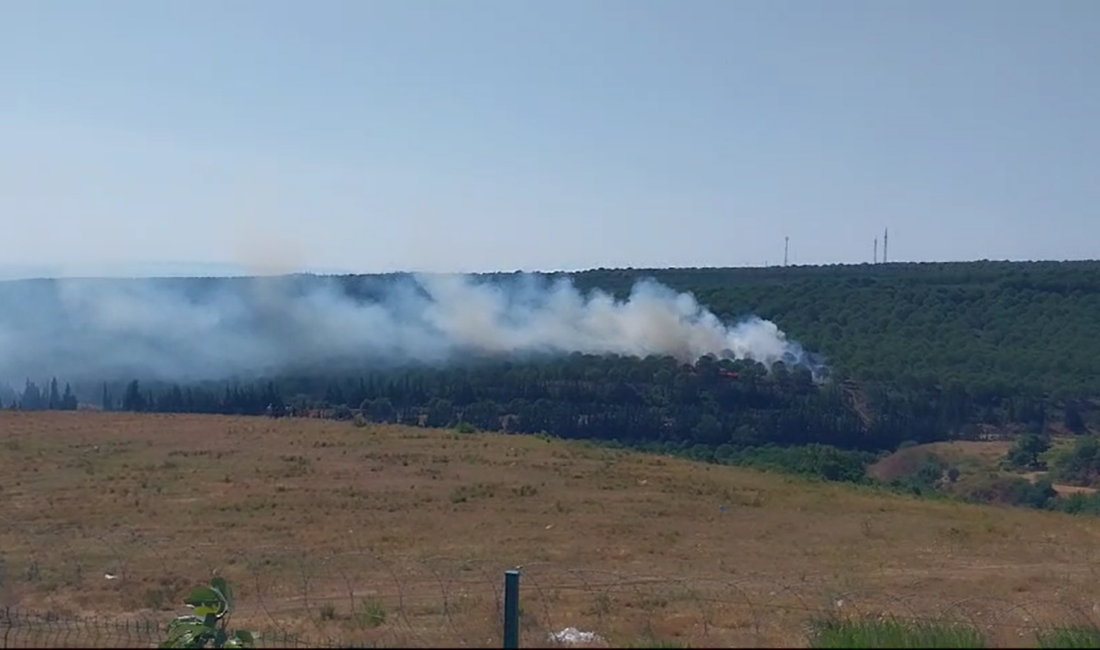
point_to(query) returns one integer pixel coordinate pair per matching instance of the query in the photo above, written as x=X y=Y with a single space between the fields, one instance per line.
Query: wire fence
x=120 y=589
x=358 y=599
x=26 y=629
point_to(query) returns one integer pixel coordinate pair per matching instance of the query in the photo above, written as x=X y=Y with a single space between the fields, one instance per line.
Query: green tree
x=1026 y=452
x=1071 y=418
x=1080 y=465
x=133 y=399
x=54 y=402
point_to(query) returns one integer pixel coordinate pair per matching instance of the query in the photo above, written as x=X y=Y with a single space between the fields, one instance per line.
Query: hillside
x=307 y=515
x=915 y=352
x=1021 y=325
x=1054 y=473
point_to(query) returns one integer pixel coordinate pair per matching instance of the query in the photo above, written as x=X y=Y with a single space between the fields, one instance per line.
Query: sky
x=416 y=135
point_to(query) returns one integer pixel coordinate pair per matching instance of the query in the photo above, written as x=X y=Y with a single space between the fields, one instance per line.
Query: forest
x=916 y=353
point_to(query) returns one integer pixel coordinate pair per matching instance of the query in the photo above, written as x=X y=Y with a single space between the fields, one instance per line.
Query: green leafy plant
x=206 y=625
x=372 y=614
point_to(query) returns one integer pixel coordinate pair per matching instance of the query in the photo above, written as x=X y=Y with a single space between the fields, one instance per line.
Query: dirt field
x=397 y=536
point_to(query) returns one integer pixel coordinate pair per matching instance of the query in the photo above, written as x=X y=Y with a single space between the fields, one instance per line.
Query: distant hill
x=925 y=352
x=136 y=270
x=993 y=327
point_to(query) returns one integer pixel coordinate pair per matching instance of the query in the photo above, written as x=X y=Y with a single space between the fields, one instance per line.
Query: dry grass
x=969 y=456
x=401 y=534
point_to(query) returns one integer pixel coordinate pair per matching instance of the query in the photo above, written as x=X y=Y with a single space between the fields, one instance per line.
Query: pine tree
x=68 y=400
x=31 y=399
x=54 y=402
x=133 y=400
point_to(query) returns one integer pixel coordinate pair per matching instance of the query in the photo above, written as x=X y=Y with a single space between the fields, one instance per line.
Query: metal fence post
x=511 y=609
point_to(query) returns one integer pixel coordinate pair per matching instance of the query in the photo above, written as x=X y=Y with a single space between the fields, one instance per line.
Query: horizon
x=185 y=270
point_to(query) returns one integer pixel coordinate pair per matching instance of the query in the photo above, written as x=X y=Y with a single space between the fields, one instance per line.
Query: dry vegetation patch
x=398 y=534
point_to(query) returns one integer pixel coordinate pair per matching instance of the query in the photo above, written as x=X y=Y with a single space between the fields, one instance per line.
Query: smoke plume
x=195 y=329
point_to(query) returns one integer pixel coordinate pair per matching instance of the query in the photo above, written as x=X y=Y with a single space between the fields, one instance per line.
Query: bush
x=1039 y=494
x=1081 y=465
x=1025 y=453
x=928 y=477
x=1079 y=504
x=818 y=461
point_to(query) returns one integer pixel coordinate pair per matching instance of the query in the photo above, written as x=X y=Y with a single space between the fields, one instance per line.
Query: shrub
x=1025 y=453
x=371 y=614
x=206 y=625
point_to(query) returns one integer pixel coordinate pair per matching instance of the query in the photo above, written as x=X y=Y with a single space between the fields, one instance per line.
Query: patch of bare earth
x=983 y=455
x=401 y=535
x=1060 y=488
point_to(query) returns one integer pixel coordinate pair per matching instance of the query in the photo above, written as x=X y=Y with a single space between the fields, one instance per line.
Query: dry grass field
x=396 y=535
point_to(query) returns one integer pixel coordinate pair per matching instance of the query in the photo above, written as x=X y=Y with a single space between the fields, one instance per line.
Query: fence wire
x=26 y=629
x=361 y=600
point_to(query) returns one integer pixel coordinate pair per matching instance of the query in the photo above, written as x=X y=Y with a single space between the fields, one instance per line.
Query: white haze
x=193 y=329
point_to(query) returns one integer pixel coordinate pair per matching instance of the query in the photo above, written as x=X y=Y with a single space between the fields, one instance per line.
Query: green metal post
x=511 y=609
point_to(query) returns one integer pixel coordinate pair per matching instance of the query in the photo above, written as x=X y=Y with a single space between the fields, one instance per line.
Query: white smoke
x=187 y=329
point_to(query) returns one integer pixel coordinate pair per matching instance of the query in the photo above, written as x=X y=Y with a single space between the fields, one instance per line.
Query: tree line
x=712 y=403
x=1004 y=327
x=33 y=398
x=917 y=353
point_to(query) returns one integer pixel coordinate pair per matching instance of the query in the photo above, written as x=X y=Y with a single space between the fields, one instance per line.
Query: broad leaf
x=185 y=636
x=220 y=586
x=187 y=619
x=244 y=636
x=241 y=639
x=203 y=596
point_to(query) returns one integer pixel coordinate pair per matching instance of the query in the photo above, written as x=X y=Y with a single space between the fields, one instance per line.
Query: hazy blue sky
x=483 y=135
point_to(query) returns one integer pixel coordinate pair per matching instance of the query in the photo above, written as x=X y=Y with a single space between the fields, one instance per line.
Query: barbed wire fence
x=357 y=598
x=25 y=629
